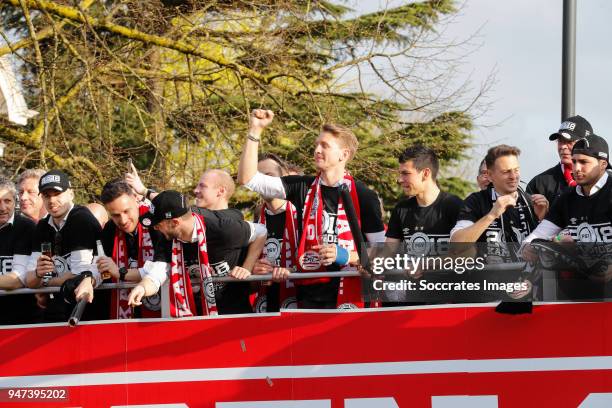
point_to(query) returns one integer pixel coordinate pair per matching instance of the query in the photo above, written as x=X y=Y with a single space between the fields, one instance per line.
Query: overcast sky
x=522 y=39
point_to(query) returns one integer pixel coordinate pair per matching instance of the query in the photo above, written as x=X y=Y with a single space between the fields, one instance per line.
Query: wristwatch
x=45 y=279
x=122 y=272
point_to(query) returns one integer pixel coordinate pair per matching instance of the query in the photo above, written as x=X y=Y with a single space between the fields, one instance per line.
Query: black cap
x=594 y=146
x=166 y=205
x=54 y=180
x=573 y=128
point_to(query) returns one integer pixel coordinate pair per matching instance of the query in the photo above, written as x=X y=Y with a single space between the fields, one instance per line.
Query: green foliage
x=176 y=114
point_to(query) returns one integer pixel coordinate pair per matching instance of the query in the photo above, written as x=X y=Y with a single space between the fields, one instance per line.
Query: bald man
x=99 y=212
x=213 y=191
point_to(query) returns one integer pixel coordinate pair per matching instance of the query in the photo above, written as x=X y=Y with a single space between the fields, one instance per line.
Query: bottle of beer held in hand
x=100 y=250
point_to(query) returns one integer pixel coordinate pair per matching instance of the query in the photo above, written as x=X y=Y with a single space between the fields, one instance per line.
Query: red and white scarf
x=182 y=303
x=288 y=248
x=349 y=292
x=567 y=174
x=119 y=298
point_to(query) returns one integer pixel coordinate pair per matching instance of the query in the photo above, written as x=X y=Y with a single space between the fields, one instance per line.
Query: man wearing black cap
x=585 y=210
x=71 y=232
x=559 y=178
x=201 y=246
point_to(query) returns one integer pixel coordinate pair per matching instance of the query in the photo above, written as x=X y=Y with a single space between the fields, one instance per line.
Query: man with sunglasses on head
x=72 y=231
x=15 y=247
x=200 y=244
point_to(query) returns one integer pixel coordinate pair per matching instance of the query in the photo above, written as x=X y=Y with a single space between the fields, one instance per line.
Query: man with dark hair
x=15 y=247
x=280 y=218
x=586 y=209
x=71 y=232
x=424 y=219
x=129 y=249
x=558 y=179
x=202 y=244
x=427 y=214
x=502 y=212
x=326 y=242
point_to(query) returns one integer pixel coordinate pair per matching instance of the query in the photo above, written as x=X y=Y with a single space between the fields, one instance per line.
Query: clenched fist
x=259 y=120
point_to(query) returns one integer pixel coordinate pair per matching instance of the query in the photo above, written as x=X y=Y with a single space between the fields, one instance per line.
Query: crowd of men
x=306 y=223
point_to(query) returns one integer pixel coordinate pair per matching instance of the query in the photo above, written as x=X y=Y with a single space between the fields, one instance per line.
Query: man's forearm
x=59 y=280
x=248 y=160
x=10 y=281
x=473 y=232
x=149 y=286
x=254 y=252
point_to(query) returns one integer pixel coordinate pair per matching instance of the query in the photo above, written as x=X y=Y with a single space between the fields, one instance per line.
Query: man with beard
x=71 y=232
x=558 y=179
x=200 y=246
x=129 y=249
x=587 y=204
x=326 y=241
x=585 y=211
x=280 y=218
x=15 y=247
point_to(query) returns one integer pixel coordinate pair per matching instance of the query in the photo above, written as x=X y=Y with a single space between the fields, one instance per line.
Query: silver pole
x=568 y=63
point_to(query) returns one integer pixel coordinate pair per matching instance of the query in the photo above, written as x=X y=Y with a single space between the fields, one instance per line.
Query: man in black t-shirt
x=558 y=179
x=424 y=219
x=427 y=215
x=334 y=148
x=225 y=237
x=71 y=232
x=16 y=232
x=278 y=256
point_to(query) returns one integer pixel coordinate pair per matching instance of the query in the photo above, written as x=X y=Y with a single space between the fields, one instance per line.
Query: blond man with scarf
x=198 y=248
x=326 y=241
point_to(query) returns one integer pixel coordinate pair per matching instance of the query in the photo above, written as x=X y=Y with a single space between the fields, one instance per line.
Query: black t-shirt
x=416 y=225
x=588 y=219
x=225 y=238
x=80 y=232
x=275 y=224
x=550 y=183
x=16 y=239
x=513 y=226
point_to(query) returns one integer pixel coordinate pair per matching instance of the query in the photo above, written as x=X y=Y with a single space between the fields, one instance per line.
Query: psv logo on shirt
x=585 y=232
